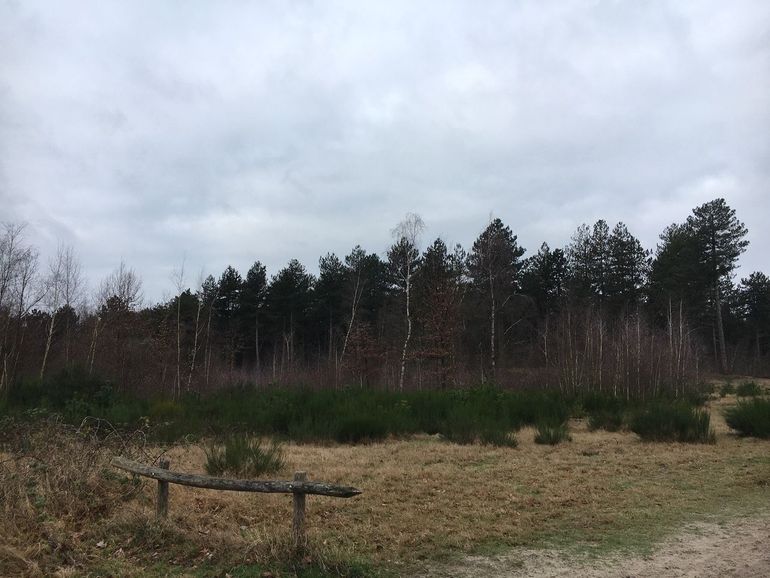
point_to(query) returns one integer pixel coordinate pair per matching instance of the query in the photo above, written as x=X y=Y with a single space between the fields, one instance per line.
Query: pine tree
x=754 y=300
x=329 y=300
x=226 y=309
x=493 y=266
x=252 y=301
x=289 y=301
x=627 y=271
x=544 y=278
x=721 y=238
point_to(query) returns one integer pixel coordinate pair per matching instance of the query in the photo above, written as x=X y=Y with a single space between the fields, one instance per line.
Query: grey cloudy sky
x=233 y=131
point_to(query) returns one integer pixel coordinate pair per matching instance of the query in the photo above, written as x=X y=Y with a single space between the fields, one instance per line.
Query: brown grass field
x=427 y=504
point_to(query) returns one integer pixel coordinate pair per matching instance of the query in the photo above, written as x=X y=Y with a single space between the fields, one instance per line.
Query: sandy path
x=740 y=548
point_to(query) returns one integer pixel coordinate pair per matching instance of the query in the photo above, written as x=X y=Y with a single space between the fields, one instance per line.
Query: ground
x=604 y=504
x=703 y=549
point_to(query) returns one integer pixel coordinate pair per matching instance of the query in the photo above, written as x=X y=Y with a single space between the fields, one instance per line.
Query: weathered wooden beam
x=298 y=521
x=162 y=506
x=212 y=483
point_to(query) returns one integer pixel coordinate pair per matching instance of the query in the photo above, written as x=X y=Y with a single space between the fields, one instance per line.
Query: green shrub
x=726 y=389
x=750 y=417
x=748 y=389
x=243 y=456
x=498 y=438
x=355 y=429
x=673 y=421
x=74 y=386
x=606 y=419
x=552 y=433
x=165 y=410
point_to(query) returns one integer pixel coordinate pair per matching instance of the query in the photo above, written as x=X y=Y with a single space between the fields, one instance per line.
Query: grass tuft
x=726 y=389
x=552 y=433
x=498 y=438
x=673 y=422
x=750 y=418
x=748 y=389
x=243 y=456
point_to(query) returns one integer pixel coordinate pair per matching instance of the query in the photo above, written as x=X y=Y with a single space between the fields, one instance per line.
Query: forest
x=603 y=314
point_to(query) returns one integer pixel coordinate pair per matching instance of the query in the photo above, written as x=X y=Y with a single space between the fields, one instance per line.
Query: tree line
x=601 y=314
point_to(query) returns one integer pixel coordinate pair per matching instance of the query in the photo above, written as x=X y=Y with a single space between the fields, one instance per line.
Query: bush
x=675 y=422
x=355 y=429
x=498 y=438
x=552 y=433
x=165 y=410
x=748 y=389
x=72 y=386
x=750 y=418
x=243 y=456
x=606 y=419
x=727 y=389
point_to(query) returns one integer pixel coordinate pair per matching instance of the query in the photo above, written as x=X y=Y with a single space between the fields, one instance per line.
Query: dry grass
x=423 y=499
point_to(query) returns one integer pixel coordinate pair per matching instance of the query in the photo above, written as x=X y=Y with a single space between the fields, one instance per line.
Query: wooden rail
x=299 y=487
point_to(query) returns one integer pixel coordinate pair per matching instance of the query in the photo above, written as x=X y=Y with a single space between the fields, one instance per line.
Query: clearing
x=600 y=505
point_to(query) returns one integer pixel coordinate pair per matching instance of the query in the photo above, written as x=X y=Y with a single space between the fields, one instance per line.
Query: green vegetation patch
x=673 y=422
x=750 y=417
x=243 y=455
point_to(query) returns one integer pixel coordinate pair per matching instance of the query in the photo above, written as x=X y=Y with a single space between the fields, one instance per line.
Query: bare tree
x=124 y=285
x=53 y=291
x=177 y=276
x=121 y=290
x=19 y=293
x=62 y=286
x=73 y=286
x=194 y=352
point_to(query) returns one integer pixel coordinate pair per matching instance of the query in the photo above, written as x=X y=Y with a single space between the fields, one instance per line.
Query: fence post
x=162 y=506
x=298 y=525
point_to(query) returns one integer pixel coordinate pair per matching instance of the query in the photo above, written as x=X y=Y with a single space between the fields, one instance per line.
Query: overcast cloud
x=229 y=131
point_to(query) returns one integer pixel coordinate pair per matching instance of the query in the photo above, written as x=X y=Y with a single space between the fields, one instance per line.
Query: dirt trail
x=740 y=548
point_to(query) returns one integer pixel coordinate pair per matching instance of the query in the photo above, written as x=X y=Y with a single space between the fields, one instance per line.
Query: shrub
x=748 y=389
x=674 y=421
x=552 y=433
x=58 y=390
x=243 y=456
x=498 y=438
x=750 y=418
x=355 y=429
x=727 y=389
x=606 y=419
x=165 y=410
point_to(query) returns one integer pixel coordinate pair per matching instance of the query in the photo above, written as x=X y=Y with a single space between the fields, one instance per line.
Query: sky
x=216 y=133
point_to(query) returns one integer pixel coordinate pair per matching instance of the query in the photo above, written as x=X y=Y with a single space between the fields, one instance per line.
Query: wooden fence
x=299 y=487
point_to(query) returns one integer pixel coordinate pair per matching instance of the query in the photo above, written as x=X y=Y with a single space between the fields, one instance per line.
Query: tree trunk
x=408 y=328
x=178 y=377
x=48 y=344
x=194 y=353
x=720 y=330
x=492 y=318
x=256 y=347
x=94 y=337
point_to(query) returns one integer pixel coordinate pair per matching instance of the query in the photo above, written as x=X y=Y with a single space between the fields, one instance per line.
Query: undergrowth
x=485 y=414
x=748 y=389
x=243 y=455
x=673 y=422
x=552 y=433
x=750 y=417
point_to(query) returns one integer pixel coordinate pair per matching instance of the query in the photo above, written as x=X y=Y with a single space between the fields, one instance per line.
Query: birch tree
x=403 y=262
x=177 y=276
x=53 y=290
